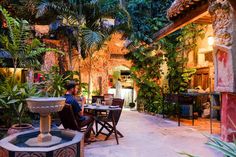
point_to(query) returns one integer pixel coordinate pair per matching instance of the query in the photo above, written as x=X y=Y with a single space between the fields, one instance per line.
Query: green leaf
x=15 y=88
x=13 y=101
x=20 y=107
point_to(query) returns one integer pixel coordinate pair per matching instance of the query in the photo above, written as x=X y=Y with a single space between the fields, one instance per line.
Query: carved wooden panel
x=201 y=78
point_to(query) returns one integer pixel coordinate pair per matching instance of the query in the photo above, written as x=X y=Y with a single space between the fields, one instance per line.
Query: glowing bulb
x=211 y=40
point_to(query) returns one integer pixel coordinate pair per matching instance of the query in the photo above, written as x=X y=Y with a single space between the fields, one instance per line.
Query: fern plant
x=24 y=49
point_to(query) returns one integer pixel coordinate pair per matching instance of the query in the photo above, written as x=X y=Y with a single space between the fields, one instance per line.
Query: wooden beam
x=233 y=3
x=189 y=17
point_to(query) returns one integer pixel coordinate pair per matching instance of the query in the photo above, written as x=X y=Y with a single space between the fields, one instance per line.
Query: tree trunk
x=31 y=76
x=61 y=64
x=70 y=55
x=14 y=71
x=90 y=70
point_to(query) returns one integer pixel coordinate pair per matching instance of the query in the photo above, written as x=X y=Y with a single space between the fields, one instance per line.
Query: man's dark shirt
x=75 y=105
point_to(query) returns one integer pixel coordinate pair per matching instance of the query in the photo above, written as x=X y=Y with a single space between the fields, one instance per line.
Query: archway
x=128 y=91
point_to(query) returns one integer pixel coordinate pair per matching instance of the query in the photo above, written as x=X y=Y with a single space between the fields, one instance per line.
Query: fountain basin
x=15 y=145
x=45 y=105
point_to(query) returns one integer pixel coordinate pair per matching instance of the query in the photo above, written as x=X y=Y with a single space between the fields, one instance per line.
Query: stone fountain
x=45 y=106
x=43 y=142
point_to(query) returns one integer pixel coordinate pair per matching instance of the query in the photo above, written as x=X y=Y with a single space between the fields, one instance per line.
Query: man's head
x=71 y=87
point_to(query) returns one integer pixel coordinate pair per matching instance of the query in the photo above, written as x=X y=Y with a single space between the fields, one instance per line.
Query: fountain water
x=43 y=142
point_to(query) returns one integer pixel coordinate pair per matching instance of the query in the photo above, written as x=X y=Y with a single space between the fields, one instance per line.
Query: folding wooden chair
x=106 y=122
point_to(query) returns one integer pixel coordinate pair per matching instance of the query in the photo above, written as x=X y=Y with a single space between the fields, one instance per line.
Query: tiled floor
x=150 y=136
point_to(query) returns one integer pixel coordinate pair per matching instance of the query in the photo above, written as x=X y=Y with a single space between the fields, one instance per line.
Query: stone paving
x=151 y=136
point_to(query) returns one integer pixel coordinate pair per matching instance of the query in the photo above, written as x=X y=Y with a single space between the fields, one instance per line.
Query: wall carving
x=70 y=151
x=221 y=12
x=30 y=154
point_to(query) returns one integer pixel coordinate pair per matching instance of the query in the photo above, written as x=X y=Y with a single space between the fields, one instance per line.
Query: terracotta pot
x=16 y=128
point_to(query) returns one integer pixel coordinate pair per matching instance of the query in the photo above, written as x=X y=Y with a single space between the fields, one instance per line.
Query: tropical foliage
x=228 y=149
x=175 y=49
x=24 y=49
x=86 y=19
x=13 y=99
x=53 y=84
x=178 y=45
x=145 y=53
x=25 y=52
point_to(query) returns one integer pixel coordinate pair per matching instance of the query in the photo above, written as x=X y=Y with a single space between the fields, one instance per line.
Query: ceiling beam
x=188 y=18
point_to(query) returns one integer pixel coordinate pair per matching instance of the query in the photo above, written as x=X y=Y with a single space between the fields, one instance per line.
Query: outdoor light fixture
x=211 y=40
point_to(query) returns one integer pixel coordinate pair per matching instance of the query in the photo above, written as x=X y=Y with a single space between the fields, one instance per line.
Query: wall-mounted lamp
x=211 y=40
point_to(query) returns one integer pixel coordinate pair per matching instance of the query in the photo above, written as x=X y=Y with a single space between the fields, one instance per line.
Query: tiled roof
x=180 y=6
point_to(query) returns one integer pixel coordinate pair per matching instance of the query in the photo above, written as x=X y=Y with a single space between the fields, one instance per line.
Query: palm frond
x=228 y=149
x=92 y=39
x=186 y=154
x=60 y=7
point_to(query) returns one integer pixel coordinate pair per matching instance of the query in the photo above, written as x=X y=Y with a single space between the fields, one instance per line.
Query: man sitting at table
x=78 y=109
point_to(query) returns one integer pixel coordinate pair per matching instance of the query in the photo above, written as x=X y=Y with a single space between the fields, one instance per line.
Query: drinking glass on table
x=98 y=102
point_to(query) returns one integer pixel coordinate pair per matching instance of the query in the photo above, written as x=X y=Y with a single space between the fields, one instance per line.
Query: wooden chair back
x=108 y=99
x=116 y=102
x=68 y=118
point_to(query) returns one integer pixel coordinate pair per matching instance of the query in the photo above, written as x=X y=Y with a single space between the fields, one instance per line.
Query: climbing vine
x=177 y=47
x=147 y=55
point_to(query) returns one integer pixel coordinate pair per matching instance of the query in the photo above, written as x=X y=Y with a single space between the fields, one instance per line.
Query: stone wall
x=110 y=56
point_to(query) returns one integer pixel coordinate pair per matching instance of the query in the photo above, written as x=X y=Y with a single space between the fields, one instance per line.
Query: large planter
x=16 y=128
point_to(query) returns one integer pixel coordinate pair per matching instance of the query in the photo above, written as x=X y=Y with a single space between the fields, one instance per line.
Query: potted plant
x=132 y=105
x=13 y=95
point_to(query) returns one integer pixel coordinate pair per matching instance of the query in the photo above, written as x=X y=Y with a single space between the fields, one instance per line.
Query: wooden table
x=212 y=107
x=105 y=108
x=195 y=97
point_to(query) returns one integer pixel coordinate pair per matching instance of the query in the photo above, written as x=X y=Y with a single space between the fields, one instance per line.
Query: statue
x=118 y=86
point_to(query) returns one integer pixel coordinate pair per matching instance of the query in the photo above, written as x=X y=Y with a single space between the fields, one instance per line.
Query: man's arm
x=82 y=106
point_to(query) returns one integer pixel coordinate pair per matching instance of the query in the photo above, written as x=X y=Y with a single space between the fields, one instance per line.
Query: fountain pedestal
x=45 y=106
x=45 y=128
x=44 y=138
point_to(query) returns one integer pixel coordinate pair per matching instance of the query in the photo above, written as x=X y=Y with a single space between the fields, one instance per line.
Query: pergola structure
x=222 y=15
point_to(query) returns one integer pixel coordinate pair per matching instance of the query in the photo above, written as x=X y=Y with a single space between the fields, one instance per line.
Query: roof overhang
x=187 y=18
x=180 y=7
x=233 y=3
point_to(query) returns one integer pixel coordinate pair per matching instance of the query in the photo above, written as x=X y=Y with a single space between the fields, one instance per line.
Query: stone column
x=224 y=25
